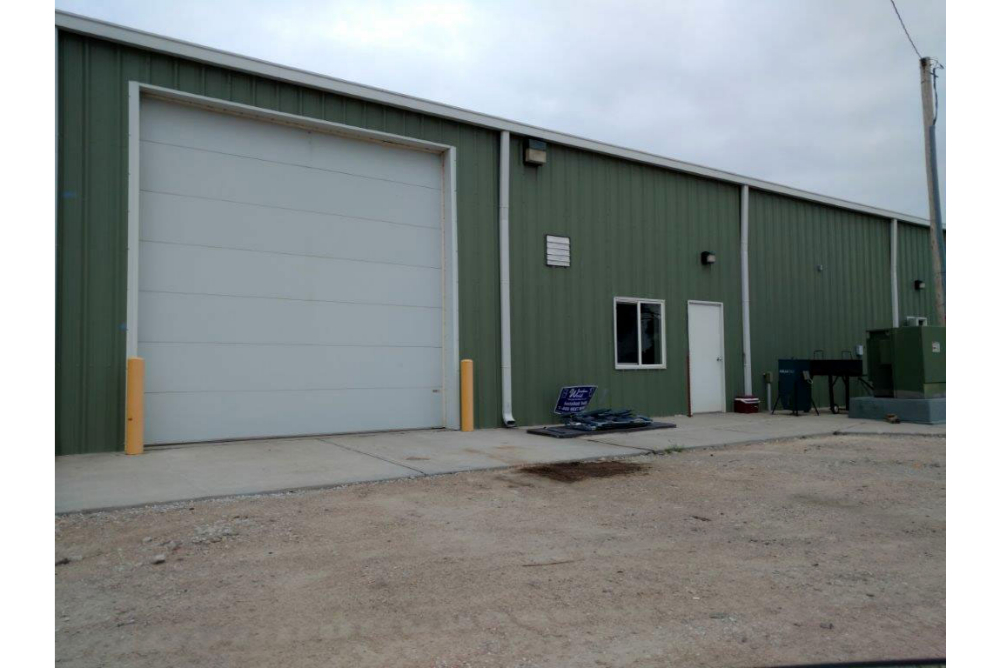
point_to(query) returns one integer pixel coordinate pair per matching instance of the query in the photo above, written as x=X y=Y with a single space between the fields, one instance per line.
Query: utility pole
x=933 y=193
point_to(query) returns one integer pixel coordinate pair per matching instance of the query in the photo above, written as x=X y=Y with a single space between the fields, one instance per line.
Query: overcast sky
x=818 y=94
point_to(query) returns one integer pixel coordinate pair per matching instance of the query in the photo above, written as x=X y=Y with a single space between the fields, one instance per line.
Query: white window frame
x=663 y=332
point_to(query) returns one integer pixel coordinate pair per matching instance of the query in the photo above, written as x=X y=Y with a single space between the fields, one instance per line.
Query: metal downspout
x=745 y=281
x=894 y=268
x=505 y=372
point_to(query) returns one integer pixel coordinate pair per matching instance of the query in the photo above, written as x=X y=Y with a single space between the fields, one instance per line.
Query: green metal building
x=672 y=287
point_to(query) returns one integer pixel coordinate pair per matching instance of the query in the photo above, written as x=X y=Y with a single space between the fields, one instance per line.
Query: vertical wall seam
x=745 y=286
x=894 y=269
x=84 y=254
x=57 y=250
x=115 y=247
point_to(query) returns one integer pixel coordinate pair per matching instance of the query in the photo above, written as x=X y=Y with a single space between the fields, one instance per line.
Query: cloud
x=814 y=94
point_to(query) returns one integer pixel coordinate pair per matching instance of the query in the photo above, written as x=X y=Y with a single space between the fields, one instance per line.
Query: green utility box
x=878 y=354
x=907 y=362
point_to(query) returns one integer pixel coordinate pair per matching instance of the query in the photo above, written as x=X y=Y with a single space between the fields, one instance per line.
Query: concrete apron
x=187 y=472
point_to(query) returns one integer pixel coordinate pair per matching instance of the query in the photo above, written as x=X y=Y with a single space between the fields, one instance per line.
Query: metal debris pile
x=602 y=419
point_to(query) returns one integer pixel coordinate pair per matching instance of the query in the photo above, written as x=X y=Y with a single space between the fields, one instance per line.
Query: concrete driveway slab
x=669 y=439
x=441 y=451
x=179 y=473
x=879 y=428
x=734 y=428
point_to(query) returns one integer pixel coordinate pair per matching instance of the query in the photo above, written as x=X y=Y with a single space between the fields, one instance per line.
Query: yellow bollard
x=134 y=415
x=468 y=421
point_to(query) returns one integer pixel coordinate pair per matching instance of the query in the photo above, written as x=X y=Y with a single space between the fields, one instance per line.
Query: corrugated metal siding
x=637 y=231
x=92 y=234
x=795 y=309
x=915 y=263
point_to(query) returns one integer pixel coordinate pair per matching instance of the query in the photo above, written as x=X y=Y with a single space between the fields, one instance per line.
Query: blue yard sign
x=574 y=399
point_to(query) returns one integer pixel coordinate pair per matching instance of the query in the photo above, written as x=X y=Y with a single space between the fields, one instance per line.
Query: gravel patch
x=807 y=550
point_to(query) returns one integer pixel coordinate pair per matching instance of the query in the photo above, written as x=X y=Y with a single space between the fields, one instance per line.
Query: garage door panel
x=261 y=414
x=189 y=220
x=191 y=367
x=290 y=282
x=185 y=171
x=173 y=317
x=167 y=123
x=178 y=125
x=334 y=153
x=221 y=271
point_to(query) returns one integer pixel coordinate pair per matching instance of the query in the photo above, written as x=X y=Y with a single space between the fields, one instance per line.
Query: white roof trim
x=116 y=33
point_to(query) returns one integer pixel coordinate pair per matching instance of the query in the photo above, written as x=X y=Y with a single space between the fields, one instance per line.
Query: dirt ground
x=807 y=550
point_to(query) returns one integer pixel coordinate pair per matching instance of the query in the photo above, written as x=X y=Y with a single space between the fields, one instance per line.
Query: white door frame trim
x=449 y=223
x=722 y=331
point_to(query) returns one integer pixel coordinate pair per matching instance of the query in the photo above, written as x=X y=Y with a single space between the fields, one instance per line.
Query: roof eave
x=117 y=33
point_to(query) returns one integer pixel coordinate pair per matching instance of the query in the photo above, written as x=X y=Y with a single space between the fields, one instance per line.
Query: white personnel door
x=290 y=281
x=708 y=359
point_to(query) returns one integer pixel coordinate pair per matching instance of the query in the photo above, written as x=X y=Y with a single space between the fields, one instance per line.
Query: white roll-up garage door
x=290 y=281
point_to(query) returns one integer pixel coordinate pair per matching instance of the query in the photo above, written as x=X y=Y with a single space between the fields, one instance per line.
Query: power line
x=896 y=9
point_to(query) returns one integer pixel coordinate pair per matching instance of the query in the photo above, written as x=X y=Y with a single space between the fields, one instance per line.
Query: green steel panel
x=92 y=225
x=636 y=231
x=797 y=309
x=914 y=262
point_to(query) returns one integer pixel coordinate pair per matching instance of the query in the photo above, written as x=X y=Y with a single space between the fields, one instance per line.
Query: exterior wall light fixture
x=919 y=284
x=707 y=258
x=534 y=151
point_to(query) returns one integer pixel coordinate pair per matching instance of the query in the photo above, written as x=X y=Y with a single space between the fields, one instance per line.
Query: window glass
x=626 y=333
x=652 y=349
